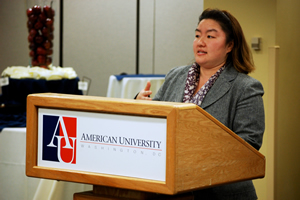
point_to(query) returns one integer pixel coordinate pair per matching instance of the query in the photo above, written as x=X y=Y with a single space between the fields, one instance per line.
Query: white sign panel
x=131 y=146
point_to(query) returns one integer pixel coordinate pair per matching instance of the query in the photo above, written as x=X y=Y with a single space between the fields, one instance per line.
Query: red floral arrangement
x=40 y=28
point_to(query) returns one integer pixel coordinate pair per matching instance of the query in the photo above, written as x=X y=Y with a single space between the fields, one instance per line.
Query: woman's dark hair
x=240 y=55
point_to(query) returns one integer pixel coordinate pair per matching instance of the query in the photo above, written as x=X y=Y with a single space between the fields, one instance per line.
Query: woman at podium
x=218 y=82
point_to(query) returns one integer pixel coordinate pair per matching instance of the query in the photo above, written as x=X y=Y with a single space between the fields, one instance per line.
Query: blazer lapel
x=221 y=86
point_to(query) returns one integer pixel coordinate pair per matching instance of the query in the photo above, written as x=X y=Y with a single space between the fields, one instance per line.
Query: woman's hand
x=145 y=93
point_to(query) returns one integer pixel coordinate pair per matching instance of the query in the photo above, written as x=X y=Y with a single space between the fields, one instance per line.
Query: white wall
x=167 y=33
x=99 y=36
x=100 y=39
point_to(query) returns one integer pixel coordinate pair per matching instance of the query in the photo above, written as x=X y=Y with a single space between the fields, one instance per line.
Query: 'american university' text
x=121 y=141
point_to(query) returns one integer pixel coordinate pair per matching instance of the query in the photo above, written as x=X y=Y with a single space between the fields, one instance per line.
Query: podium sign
x=102 y=143
x=147 y=146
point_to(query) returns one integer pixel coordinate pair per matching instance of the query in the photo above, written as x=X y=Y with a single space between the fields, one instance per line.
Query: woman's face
x=210 y=48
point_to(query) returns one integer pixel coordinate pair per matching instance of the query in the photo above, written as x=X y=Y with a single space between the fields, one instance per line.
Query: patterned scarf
x=191 y=84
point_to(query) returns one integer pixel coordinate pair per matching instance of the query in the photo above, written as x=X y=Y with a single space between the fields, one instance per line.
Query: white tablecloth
x=128 y=87
x=14 y=184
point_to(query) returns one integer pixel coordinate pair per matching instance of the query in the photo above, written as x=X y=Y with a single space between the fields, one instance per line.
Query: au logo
x=59 y=139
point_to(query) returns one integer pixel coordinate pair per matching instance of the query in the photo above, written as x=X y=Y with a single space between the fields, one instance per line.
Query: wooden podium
x=200 y=152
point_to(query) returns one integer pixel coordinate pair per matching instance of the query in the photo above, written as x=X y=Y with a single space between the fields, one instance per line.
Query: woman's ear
x=230 y=46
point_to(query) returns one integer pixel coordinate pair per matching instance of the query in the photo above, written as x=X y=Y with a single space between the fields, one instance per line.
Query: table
x=14 y=96
x=17 y=90
x=128 y=86
x=14 y=184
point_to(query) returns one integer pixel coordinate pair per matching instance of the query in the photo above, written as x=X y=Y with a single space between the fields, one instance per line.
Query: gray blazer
x=236 y=101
